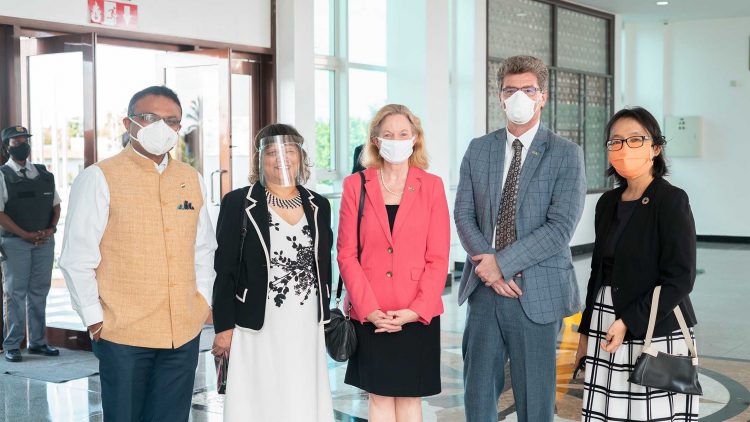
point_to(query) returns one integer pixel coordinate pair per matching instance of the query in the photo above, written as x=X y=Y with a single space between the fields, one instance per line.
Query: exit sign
x=113 y=13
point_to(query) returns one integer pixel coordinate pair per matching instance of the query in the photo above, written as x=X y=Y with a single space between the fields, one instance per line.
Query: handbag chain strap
x=360 y=211
x=680 y=321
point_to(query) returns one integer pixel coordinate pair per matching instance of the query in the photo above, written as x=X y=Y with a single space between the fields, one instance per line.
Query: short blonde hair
x=371 y=157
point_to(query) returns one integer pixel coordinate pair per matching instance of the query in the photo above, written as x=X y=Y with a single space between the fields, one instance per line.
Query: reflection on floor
x=719 y=298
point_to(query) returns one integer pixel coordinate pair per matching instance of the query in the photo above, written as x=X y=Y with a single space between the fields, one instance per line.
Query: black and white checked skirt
x=607 y=394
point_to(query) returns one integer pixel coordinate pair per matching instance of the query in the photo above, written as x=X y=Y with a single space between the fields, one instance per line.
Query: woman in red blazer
x=395 y=288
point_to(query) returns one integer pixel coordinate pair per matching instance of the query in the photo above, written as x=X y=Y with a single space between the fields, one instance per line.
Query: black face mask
x=20 y=152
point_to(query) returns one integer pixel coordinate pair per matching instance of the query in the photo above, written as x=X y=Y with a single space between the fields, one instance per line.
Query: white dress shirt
x=31 y=173
x=88 y=213
x=526 y=140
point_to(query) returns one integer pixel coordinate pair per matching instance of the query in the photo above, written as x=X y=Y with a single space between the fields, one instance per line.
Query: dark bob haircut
x=648 y=121
x=159 y=91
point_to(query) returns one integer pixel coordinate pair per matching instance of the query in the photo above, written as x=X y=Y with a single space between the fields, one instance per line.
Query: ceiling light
x=662 y=3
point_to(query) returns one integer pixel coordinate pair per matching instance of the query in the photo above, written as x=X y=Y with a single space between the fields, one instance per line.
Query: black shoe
x=13 y=355
x=43 y=350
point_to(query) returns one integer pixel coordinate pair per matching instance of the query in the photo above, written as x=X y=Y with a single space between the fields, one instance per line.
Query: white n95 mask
x=157 y=138
x=520 y=108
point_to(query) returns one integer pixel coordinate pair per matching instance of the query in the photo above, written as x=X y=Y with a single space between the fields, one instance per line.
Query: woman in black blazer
x=271 y=302
x=645 y=237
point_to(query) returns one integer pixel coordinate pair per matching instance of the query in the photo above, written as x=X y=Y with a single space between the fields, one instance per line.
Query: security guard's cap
x=14 y=131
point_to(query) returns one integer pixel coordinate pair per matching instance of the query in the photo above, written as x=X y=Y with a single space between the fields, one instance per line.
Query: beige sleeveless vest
x=146 y=276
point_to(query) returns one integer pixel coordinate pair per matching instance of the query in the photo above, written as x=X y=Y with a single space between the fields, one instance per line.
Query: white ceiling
x=677 y=10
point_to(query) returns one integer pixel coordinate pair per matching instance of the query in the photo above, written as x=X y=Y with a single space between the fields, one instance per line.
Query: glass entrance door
x=201 y=79
x=60 y=110
x=247 y=116
x=220 y=95
x=61 y=107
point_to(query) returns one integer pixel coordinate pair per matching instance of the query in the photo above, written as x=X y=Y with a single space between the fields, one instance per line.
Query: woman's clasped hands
x=391 y=321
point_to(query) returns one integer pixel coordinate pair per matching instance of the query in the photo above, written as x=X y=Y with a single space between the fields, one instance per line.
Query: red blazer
x=403 y=270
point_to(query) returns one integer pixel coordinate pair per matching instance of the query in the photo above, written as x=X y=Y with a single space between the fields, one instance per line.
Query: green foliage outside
x=358 y=129
x=323 y=145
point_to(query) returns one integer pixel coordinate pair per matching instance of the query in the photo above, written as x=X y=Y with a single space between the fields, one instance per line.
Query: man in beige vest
x=138 y=259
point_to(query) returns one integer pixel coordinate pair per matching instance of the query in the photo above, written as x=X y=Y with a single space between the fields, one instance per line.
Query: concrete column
x=295 y=70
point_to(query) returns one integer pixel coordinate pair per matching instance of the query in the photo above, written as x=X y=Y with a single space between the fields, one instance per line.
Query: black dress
x=402 y=364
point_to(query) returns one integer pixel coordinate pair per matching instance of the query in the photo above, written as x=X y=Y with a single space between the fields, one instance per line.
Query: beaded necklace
x=288 y=204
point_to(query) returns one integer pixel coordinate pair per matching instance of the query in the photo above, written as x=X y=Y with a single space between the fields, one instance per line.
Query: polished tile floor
x=720 y=298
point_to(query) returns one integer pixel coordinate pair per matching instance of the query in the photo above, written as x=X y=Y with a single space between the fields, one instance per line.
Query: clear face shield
x=281 y=162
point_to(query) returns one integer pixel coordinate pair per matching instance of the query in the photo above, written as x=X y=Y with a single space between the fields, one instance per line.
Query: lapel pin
x=411 y=188
x=535 y=152
x=182 y=185
x=645 y=200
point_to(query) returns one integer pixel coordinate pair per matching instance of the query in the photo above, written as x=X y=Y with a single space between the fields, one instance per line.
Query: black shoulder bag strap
x=360 y=211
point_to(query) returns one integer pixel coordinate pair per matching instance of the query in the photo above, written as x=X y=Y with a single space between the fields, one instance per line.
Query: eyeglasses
x=528 y=90
x=633 y=142
x=149 y=118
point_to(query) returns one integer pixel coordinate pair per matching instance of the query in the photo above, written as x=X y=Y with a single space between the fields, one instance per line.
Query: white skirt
x=607 y=394
x=277 y=384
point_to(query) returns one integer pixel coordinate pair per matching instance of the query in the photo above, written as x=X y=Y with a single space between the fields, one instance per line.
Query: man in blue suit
x=519 y=199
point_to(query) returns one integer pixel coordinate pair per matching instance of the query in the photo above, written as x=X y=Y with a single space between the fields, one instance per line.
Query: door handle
x=213 y=186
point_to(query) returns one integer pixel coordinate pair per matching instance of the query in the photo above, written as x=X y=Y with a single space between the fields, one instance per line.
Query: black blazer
x=245 y=304
x=657 y=247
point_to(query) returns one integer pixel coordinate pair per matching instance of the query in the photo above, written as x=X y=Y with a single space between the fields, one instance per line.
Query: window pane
x=495 y=113
x=367 y=37
x=582 y=41
x=367 y=93
x=597 y=113
x=547 y=109
x=519 y=27
x=323 y=19
x=568 y=105
x=324 y=122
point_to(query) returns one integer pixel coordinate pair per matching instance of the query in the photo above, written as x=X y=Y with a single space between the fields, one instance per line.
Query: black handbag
x=655 y=369
x=341 y=339
x=222 y=362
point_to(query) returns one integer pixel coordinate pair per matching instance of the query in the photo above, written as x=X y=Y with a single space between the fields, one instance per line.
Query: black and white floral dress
x=283 y=373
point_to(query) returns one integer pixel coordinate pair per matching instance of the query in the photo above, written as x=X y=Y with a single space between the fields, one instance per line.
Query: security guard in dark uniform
x=29 y=211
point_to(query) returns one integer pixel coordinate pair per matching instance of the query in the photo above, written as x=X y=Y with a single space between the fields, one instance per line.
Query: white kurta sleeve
x=86 y=219
x=205 y=246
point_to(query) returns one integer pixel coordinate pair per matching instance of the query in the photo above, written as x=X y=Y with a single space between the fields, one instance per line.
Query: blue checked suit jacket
x=551 y=194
